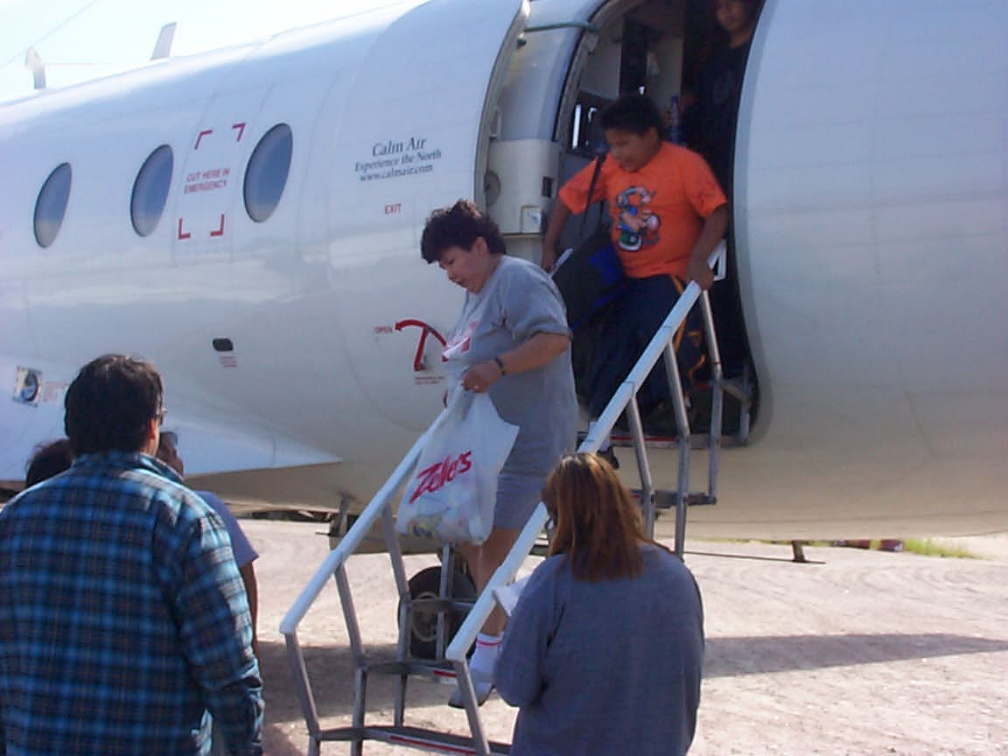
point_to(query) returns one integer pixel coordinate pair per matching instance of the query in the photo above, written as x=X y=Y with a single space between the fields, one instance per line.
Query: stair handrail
x=333 y=564
x=484 y=605
x=357 y=532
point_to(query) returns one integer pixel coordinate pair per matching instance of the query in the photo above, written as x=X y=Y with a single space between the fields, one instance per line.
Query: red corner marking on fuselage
x=220 y=228
x=205 y=132
x=180 y=234
x=240 y=128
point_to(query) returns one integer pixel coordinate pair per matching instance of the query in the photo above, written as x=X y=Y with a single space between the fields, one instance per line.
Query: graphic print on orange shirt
x=637 y=221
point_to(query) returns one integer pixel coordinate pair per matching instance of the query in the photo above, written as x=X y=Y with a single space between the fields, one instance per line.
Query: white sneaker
x=482 y=687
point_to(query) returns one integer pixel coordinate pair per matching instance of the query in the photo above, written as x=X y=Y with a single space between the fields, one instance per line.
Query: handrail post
x=643 y=467
x=402 y=588
x=464 y=679
x=683 y=432
x=445 y=587
x=302 y=687
x=717 y=395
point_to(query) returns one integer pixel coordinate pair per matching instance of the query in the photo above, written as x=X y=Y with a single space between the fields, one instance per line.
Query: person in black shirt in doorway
x=711 y=109
x=709 y=125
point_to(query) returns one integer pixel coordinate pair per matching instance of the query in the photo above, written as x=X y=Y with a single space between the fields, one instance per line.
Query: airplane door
x=413 y=136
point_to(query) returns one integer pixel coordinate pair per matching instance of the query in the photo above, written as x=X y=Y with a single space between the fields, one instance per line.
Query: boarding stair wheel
x=424 y=589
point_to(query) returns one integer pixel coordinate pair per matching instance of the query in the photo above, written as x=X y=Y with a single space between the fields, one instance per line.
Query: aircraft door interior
x=655 y=48
x=574 y=60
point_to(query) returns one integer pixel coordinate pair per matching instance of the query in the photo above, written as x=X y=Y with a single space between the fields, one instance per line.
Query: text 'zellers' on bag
x=452 y=492
x=435 y=476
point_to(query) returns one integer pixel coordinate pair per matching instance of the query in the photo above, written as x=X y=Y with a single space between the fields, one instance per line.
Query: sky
x=80 y=40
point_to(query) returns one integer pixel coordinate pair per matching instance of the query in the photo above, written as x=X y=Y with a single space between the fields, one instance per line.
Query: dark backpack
x=591 y=277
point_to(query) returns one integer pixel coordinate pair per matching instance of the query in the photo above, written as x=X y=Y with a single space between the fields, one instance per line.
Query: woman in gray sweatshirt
x=604 y=651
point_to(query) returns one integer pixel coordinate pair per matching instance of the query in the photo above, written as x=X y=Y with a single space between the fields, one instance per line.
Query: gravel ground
x=857 y=652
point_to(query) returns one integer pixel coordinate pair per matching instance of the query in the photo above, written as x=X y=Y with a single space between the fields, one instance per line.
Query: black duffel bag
x=590 y=277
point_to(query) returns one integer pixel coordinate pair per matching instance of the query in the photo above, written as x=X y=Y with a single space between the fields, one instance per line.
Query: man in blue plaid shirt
x=123 y=621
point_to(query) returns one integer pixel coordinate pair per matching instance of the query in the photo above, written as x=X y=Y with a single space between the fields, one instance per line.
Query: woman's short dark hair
x=110 y=403
x=634 y=113
x=459 y=226
x=48 y=460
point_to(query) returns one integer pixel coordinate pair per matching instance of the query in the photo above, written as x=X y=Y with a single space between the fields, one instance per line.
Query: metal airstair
x=453 y=661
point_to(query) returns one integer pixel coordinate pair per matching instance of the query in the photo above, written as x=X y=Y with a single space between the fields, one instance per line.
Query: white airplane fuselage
x=300 y=350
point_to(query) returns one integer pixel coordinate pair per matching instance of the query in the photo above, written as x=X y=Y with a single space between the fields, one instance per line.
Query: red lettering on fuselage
x=437 y=475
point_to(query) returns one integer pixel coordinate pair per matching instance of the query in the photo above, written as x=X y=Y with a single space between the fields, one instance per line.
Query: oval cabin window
x=50 y=207
x=266 y=175
x=150 y=190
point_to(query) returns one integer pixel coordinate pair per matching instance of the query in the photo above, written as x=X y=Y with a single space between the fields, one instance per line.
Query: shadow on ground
x=729 y=657
x=331 y=673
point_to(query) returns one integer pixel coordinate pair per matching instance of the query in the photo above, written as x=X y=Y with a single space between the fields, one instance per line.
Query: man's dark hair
x=459 y=226
x=48 y=460
x=634 y=113
x=110 y=403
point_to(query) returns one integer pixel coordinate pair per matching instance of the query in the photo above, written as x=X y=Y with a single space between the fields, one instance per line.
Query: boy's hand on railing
x=549 y=257
x=700 y=272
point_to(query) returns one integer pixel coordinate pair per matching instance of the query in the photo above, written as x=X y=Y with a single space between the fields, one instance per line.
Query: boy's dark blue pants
x=642 y=308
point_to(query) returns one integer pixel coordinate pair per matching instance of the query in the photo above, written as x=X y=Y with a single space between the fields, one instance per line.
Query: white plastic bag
x=452 y=493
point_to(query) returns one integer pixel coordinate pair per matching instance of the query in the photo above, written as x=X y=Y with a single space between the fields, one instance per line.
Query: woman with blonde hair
x=604 y=651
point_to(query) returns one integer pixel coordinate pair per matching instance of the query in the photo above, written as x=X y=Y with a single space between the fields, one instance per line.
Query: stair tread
x=416 y=737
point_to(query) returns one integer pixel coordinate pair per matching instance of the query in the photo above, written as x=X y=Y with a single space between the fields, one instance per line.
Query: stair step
x=439 y=669
x=697 y=441
x=666 y=499
x=432 y=605
x=412 y=737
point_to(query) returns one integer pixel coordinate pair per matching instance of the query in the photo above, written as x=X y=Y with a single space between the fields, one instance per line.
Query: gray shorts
x=517 y=496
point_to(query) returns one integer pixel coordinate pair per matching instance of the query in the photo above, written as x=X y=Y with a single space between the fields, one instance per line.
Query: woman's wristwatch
x=500 y=364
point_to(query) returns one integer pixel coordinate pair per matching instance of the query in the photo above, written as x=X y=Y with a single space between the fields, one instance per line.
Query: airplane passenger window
x=150 y=191
x=266 y=175
x=50 y=207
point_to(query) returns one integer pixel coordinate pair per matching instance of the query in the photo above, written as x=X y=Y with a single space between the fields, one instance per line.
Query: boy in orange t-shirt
x=668 y=214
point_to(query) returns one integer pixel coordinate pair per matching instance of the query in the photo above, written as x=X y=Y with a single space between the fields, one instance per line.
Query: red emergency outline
x=205 y=132
x=241 y=130
x=220 y=228
x=180 y=234
x=418 y=365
